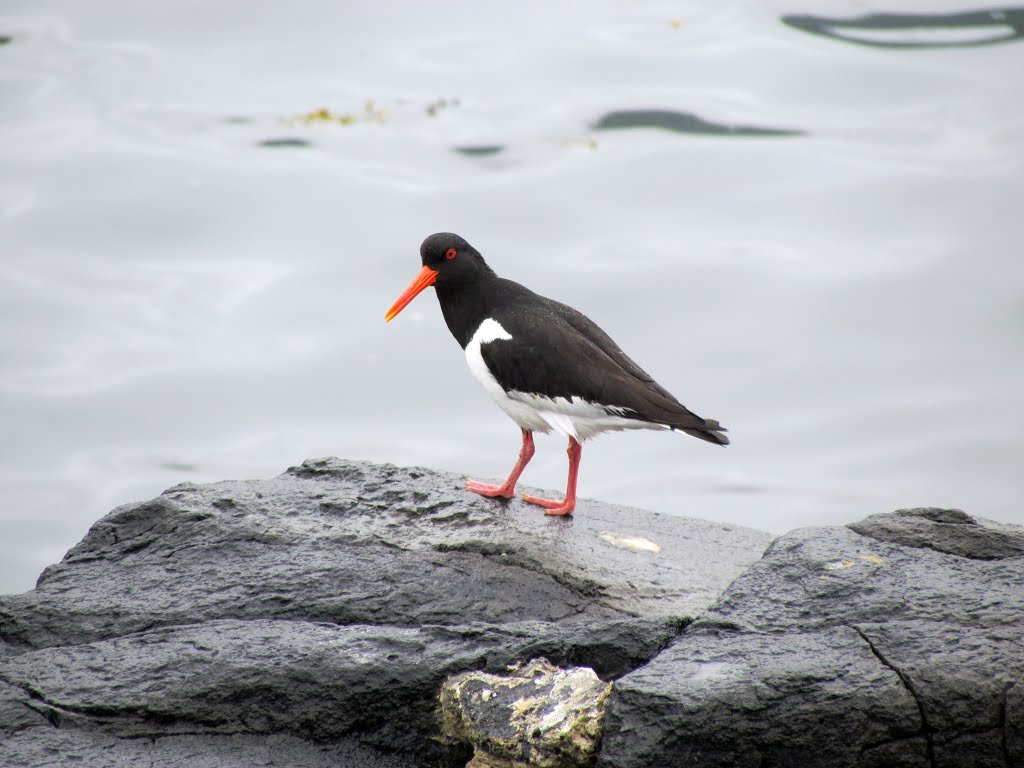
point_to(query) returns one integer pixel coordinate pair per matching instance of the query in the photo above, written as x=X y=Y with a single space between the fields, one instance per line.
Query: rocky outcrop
x=312 y=619
x=945 y=530
x=898 y=645
x=350 y=614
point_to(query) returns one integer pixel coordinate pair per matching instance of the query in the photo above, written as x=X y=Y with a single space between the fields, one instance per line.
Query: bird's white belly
x=575 y=418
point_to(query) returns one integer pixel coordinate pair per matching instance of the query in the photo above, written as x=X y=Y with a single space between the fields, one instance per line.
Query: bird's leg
x=563 y=507
x=508 y=488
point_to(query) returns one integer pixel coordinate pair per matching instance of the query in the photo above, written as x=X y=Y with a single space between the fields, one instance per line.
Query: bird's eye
x=450 y=254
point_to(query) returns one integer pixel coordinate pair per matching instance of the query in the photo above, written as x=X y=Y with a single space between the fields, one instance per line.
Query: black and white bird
x=548 y=366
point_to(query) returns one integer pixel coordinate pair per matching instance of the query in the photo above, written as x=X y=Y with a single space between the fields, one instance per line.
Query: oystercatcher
x=548 y=366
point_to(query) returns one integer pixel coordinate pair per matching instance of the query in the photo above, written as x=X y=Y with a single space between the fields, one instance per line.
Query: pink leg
x=508 y=488
x=563 y=507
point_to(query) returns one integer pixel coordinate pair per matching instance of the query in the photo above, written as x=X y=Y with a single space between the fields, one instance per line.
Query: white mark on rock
x=626 y=541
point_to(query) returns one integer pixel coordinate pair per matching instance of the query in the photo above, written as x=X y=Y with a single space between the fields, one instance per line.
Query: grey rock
x=945 y=530
x=816 y=578
x=317 y=681
x=328 y=605
x=842 y=649
x=1013 y=724
x=959 y=674
x=912 y=752
x=312 y=620
x=726 y=698
x=17 y=710
x=60 y=748
x=350 y=542
x=960 y=677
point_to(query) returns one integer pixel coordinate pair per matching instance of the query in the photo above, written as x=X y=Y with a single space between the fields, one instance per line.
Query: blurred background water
x=808 y=229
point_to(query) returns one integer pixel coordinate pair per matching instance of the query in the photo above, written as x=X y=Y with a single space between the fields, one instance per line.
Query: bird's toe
x=489 y=490
x=551 y=506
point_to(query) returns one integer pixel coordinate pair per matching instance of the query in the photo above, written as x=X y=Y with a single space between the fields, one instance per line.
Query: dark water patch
x=179 y=466
x=287 y=142
x=682 y=122
x=917 y=30
x=5 y=39
x=434 y=107
x=480 y=150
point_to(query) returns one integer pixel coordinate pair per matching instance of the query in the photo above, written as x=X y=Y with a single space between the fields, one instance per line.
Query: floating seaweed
x=436 y=106
x=480 y=150
x=371 y=114
x=285 y=142
x=918 y=30
x=682 y=122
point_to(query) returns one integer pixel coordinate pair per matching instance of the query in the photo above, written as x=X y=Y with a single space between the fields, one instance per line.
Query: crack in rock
x=926 y=729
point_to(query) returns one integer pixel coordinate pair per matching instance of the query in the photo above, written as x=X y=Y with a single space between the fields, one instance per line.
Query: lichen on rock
x=538 y=716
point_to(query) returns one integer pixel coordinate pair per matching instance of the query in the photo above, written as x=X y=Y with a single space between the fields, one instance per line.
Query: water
x=815 y=241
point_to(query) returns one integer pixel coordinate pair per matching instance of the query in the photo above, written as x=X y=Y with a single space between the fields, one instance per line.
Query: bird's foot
x=551 y=507
x=491 y=491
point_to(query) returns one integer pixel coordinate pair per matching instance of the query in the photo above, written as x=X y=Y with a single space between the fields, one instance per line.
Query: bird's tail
x=712 y=431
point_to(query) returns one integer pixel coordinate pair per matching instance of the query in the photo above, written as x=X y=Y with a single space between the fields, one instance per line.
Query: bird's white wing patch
x=491 y=330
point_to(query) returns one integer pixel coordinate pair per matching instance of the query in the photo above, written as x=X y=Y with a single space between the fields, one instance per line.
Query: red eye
x=450 y=254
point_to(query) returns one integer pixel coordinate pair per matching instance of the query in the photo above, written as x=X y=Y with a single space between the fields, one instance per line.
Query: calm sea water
x=810 y=232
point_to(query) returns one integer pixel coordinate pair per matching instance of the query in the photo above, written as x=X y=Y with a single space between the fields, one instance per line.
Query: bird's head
x=447 y=260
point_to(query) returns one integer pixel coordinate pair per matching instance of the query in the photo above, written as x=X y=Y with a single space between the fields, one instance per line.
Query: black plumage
x=547 y=355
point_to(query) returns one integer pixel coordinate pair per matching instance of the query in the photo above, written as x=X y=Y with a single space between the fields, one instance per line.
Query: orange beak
x=424 y=279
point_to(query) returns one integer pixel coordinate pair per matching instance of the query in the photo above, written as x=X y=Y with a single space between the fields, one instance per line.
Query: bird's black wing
x=556 y=351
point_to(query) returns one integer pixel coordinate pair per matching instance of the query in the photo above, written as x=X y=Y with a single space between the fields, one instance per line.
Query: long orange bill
x=424 y=279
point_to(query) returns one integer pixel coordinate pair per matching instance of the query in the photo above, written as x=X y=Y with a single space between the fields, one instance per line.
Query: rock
x=960 y=677
x=1013 y=723
x=816 y=578
x=16 y=710
x=540 y=715
x=319 y=681
x=57 y=748
x=327 y=606
x=945 y=530
x=728 y=698
x=313 y=619
x=349 y=543
x=840 y=649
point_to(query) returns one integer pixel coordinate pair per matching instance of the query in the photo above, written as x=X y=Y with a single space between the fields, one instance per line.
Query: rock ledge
x=327 y=606
x=314 y=619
